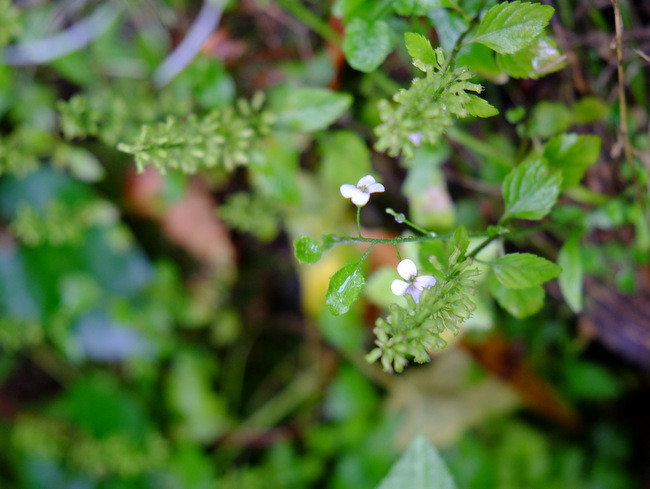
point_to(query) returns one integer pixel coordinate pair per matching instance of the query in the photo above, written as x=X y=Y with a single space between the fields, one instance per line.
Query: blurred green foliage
x=158 y=333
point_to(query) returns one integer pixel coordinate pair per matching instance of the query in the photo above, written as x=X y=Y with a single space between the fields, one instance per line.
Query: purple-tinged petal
x=424 y=281
x=416 y=293
x=375 y=187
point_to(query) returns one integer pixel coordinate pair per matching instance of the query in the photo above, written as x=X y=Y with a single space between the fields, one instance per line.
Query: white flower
x=414 y=284
x=360 y=194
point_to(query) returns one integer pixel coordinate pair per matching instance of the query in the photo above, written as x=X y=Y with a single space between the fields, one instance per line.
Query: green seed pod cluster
x=414 y=331
x=221 y=139
x=117 y=454
x=57 y=224
x=422 y=112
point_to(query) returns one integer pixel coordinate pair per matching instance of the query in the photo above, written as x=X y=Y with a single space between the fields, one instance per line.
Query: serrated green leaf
x=479 y=107
x=524 y=270
x=573 y=154
x=420 y=48
x=570 y=278
x=308 y=109
x=367 y=44
x=530 y=191
x=510 y=26
x=344 y=289
x=539 y=58
x=308 y=250
x=521 y=303
x=420 y=467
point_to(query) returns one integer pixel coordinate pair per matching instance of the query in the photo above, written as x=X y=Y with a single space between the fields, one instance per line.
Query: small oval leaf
x=344 y=289
x=308 y=250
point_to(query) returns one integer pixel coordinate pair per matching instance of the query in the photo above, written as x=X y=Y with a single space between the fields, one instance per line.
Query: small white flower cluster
x=413 y=283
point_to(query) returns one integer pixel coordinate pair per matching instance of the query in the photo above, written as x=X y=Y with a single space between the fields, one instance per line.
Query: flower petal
x=366 y=181
x=375 y=187
x=407 y=269
x=348 y=190
x=424 y=281
x=360 y=198
x=399 y=287
x=416 y=293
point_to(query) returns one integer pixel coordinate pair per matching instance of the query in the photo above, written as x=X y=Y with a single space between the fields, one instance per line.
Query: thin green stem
x=359 y=221
x=399 y=257
x=459 y=42
x=483 y=245
x=401 y=218
x=311 y=20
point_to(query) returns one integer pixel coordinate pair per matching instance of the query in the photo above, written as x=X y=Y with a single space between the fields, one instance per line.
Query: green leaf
x=549 y=119
x=344 y=289
x=344 y=156
x=524 y=270
x=510 y=26
x=521 y=303
x=308 y=250
x=530 y=191
x=573 y=154
x=479 y=107
x=592 y=381
x=538 y=59
x=420 y=48
x=308 y=109
x=367 y=44
x=420 y=467
x=570 y=279
x=589 y=110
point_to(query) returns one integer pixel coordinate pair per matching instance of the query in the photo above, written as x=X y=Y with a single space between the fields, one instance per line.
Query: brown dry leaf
x=221 y=46
x=502 y=359
x=191 y=222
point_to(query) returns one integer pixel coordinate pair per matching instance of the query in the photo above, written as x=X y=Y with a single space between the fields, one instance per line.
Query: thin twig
x=624 y=134
x=203 y=26
x=72 y=39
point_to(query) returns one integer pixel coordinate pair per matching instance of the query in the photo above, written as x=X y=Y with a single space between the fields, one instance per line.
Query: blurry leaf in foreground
x=573 y=154
x=520 y=303
x=570 y=278
x=419 y=467
x=308 y=109
x=367 y=43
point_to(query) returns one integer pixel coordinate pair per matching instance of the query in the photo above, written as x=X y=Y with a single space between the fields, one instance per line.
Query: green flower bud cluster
x=115 y=454
x=221 y=139
x=414 y=331
x=57 y=224
x=424 y=111
x=21 y=149
x=16 y=332
x=117 y=112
